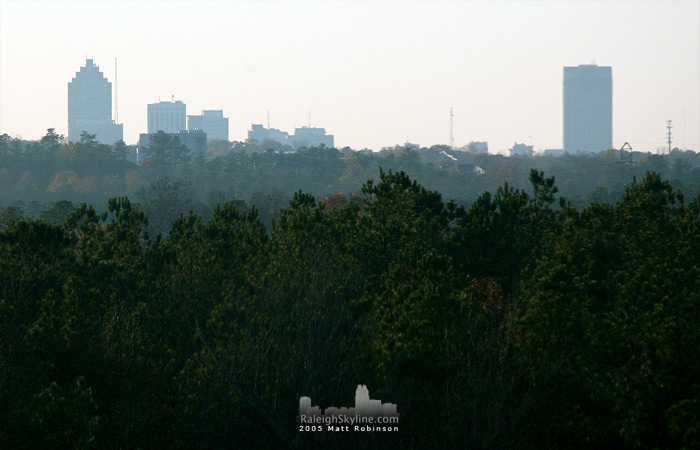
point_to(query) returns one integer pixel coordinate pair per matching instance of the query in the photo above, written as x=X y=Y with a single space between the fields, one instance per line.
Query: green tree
x=63 y=417
x=165 y=151
x=164 y=199
x=58 y=212
x=607 y=318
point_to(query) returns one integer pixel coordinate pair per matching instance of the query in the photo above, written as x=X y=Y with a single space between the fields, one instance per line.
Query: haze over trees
x=514 y=317
x=35 y=174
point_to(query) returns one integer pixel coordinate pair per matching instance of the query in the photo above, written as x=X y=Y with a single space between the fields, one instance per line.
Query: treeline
x=36 y=174
x=518 y=322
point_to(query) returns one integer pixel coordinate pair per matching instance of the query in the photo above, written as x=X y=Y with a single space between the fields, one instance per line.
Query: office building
x=262 y=134
x=478 y=148
x=310 y=137
x=521 y=149
x=90 y=106
x=304 y=137
x=587 y=109
x=211 y=122
x=166 y=116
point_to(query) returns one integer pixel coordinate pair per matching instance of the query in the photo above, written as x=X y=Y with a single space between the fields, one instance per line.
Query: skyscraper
x=166 y=116
x=90 y=106
x=587 y=109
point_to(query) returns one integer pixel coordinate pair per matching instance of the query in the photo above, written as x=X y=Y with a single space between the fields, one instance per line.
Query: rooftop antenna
x=668 y=135
x=172 y=98
x=452 y=136
x=116 y=98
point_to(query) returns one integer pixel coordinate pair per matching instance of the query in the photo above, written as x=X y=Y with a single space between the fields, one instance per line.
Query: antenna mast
x=268 y=119
x=452 y=136
x=668 y=135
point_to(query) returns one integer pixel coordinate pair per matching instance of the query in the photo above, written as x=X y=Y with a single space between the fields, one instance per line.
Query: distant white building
x=212 y=122
x=261 y=134
x=304 y=137
x=90 y=106
x=166 y=116
x=478 y=147
x=310 y=137
x=521 y=149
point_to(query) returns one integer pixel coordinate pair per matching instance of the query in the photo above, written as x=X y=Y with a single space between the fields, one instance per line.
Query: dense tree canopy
x=518 y=322
x=36 y=174
x=520 y=319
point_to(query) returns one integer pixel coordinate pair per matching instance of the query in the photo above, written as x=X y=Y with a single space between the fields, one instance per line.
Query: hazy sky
x=372 y=73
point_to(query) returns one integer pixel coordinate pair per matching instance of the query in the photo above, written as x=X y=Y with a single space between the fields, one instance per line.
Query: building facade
x=304 y=137
x=310 y=137
x=587 y=109
x=477 y=147
x=261 y=134
x=166 y=116
x=521 y=149
x=90 y=106
x=211 y=122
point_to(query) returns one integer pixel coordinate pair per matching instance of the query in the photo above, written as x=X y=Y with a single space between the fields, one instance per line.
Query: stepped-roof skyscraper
x=587 y=109
x=90 y=106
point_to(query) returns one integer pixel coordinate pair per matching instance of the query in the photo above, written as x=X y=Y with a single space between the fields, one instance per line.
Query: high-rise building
x=166 y=116
x=211 y=122
x=587 y=109
x=90 y=106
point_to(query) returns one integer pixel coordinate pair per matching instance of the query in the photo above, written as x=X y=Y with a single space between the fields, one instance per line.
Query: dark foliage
x=521 y=321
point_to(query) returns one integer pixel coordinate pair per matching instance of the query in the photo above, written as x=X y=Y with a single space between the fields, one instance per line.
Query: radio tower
x=668 y=135
x=452 y=135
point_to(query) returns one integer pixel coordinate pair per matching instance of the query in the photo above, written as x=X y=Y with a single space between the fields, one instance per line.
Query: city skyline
x=364 y=406
x=373 y=75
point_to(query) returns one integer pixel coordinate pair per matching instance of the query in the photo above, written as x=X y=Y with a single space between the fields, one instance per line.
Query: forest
x=52 y=176
x=518 y=317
